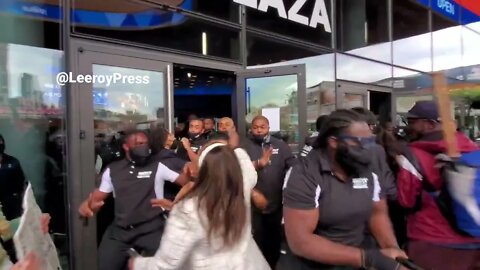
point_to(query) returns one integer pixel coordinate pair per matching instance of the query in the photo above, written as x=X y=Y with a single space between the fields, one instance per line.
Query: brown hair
x=219 y=189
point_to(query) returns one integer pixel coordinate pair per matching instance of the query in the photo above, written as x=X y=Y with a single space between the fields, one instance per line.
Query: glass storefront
x=377 y=54
x=33 y=116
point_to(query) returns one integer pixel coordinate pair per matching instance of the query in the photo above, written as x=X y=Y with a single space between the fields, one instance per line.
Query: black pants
x=116 y=241
x=267 y=232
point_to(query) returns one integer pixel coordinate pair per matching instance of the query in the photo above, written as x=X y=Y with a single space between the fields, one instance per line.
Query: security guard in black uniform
x=195 y=141
x=271 y=158
x=331 y=196
x=137 y=183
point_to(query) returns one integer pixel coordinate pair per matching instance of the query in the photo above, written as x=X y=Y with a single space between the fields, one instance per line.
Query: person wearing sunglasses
x=331 y=195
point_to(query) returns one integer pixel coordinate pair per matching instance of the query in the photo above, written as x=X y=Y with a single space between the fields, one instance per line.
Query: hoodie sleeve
x=409 y=183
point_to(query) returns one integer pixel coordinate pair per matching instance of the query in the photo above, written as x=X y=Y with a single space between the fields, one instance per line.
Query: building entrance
x=203 y=92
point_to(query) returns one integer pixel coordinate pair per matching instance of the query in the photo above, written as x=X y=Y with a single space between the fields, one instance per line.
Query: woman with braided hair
x=330 y=196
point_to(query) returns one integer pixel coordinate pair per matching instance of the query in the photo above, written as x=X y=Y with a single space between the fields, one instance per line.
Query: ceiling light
x=204 y=44
x=189 y=75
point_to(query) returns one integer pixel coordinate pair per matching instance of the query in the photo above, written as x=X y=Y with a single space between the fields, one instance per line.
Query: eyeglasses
x=363 y=141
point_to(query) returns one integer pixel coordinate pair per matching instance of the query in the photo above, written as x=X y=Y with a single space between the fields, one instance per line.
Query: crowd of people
x=357 y=196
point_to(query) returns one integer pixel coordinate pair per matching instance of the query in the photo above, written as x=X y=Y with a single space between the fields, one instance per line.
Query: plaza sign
x=318 y=16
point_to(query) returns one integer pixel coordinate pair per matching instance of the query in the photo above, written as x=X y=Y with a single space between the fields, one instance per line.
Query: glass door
x=116 y=93
x=278 y=93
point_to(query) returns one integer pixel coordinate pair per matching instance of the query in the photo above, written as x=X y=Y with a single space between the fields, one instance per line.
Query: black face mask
x=140 y=154
x=2 y=148
x=353 y=159
x=193 y=136
x=259 y=138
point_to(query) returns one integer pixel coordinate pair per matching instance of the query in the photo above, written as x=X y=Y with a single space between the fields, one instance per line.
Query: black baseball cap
x=425 y=109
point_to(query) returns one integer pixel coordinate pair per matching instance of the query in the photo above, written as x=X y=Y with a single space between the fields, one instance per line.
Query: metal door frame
x=240 y=99
x=81 y=156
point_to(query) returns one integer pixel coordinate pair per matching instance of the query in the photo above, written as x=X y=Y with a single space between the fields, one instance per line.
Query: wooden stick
x=449 y=128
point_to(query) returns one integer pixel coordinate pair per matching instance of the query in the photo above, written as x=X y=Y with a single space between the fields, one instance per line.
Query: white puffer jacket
x=185 y=246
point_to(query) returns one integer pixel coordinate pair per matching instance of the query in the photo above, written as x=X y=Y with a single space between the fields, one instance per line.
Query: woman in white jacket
x=210 y=228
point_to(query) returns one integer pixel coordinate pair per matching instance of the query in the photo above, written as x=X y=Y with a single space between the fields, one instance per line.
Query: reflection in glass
x=31 y=23
x=471 y=55
x=408 y=81
x=320 y=101
x=124 y=104
x=361 y=24
x=163 y=28
x=320 y=85
x=471 y=75
x=350 y=101
x=359 y=70
x=408 y=88
x=447 y=44
x=260 y=51
x=32 y=122
x=465 y=98
x=119 y=106
x=276 y=99
x=411 y=36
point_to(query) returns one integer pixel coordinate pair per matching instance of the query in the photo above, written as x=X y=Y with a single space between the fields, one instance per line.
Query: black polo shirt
x=309 y=142
x=12 y=184
x=196 y=144
x=379 y=166
x=133 y=187
x=345 y=207
x=168 y=158
x=271 y=178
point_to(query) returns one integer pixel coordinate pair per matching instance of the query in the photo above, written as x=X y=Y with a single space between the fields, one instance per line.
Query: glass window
x=361 y=24
x=471 y=55
x=121 y=104
x=32 y=113
x=32 y=123
x=471 y=76
x=363 y=83
x=227 y=10
x=137 y=103
x=34 y=24
x=411 y=36
x=408 y=88
x=281 y=108
x=260 y=51
x=447 y=44
x=310 y=22
x=320 y=77
x=355 y=69
x=144 y=24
